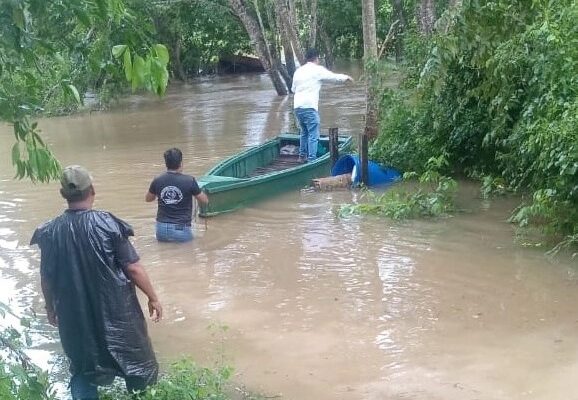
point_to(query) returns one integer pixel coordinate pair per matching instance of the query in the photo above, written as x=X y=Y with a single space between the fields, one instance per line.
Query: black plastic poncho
x=84 y=254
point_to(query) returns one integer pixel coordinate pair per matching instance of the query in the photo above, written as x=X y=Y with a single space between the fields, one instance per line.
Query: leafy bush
x=198 y=34
x=498 y=93
x=493 y=186
x=20 y=379
x=401 y=142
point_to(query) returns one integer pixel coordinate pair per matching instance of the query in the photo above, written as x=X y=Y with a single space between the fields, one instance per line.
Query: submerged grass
x=21 y=379
x=434 y=196
x=183 y=380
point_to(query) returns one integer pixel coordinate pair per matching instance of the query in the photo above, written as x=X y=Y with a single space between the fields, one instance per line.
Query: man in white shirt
x=307 y=82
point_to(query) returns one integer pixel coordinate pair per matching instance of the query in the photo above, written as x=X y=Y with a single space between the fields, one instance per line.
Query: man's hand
x=138 y=275
x=202 y=198
x=52 y=318
x=155 y=310
x=150 y=197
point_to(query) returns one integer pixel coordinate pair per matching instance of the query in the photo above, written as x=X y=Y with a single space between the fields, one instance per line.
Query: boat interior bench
x=278 y=155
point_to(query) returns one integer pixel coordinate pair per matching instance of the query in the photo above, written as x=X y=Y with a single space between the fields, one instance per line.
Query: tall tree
x=370 y=60
x=400 y=16
x=313 y=24
x=285 y=43
x=276 y=46
x=260 y=46
x=328 y=47
x=426 y=16
x=288 y=17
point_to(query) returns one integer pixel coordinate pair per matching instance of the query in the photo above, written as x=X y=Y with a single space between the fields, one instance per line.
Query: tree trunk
x=313 y=31
x=288 y=78
x=369 y=30
x=262 y=31
x=289 y=59
x=288 y=23
x=399 y=15
x=426 y=17
x=328 y=45
x=450 y=14
x=370 y=59
x=177 y=61
x=287 y=47
x=259 y=44
x=292 y=12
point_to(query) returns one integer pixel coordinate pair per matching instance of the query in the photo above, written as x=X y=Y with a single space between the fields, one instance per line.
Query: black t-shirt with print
x=175 y=193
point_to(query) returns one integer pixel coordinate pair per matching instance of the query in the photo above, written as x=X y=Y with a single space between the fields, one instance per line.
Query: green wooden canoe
x=263 y=171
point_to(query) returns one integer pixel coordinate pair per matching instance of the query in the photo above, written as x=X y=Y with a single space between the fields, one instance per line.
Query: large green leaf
x=15 y=153
x=127 y=65
x=18 y=17
x=159 y=77
x=118 y=50
x=74 y=92
x=139 y=72
x=162 y=53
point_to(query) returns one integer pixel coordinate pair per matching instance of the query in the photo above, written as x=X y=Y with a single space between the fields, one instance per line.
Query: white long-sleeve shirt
x=307 y=82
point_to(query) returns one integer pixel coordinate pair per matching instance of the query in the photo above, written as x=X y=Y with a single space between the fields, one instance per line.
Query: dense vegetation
x=20 y=379
x=496 y=90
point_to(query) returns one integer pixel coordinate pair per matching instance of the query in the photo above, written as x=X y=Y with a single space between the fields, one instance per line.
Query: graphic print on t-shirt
x=171 y=195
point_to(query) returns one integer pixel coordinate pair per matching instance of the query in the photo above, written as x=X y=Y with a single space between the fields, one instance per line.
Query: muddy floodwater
x=315 y=306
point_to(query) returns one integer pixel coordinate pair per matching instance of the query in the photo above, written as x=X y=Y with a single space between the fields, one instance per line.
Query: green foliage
x=20 y=379
x=198 y=34
x=30 y=156
x=341 y=21
x=401 y=142
x=184 y=380
x=51 y=53
x=498 y=92
x=493 y=186
x=149 y=72
x=432 y=197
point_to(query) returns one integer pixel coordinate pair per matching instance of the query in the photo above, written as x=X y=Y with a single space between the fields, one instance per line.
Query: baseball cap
x=75 y=179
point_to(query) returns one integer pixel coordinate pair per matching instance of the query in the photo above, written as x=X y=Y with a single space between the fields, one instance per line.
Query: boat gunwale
x=344 y=142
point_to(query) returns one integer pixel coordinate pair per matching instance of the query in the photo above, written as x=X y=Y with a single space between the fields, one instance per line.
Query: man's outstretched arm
x=328 y=76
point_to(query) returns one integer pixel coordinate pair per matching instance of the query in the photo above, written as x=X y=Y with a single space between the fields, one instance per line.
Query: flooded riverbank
x=316 y=306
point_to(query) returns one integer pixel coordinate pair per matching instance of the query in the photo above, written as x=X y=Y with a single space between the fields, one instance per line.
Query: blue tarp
x=378 y=175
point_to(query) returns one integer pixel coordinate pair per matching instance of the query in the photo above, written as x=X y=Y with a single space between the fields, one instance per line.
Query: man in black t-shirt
x=174 y=191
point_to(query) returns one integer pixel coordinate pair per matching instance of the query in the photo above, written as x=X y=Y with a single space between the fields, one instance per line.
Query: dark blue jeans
x=173 y=233
x=309 y=123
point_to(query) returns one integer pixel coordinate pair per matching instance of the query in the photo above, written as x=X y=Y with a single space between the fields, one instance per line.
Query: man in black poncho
x=89 y=270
